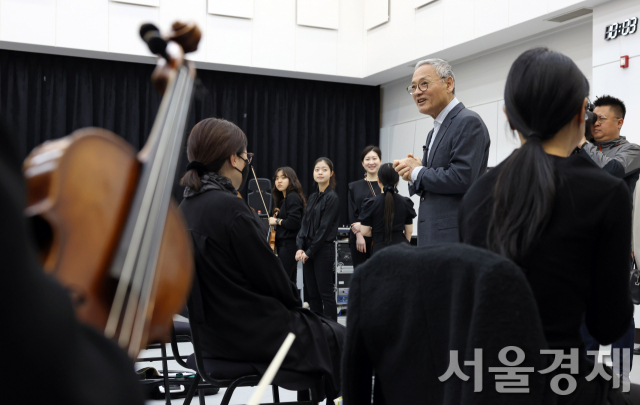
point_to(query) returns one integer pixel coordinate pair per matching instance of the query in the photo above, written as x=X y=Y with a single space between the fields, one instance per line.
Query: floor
x=242 y=395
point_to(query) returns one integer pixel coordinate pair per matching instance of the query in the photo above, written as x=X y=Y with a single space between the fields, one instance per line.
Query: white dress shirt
x=436 y=127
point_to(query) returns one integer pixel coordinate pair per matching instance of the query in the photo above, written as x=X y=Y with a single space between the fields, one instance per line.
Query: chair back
x=413 y=310
x=253 y=197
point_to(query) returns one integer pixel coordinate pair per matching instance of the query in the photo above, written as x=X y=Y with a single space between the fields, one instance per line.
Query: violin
x=271 y=237
x=117 y=241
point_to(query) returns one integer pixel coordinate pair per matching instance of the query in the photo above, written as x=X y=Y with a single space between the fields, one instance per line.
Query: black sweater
x=358 y=192
x=249 y=303
x=320 y=222
x=580 y=266
x=372 y=215
x=291 y=211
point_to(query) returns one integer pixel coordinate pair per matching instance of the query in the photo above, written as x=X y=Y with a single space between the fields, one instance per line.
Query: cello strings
x=133 y=227
x=148 y=211
x=129 y=265
x=146 y=304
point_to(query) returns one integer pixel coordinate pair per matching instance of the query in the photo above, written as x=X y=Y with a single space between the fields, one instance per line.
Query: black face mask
x=245 y=172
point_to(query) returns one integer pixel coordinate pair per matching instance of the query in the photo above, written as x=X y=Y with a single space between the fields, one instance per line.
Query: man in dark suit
x=455 y=154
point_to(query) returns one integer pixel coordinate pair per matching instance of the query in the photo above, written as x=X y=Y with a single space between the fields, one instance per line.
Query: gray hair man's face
x=433 y=100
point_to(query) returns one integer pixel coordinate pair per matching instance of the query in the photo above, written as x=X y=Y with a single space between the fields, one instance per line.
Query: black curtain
x=288 y=122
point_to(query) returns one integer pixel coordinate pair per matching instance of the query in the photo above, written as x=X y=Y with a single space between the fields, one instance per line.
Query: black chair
x=212 y=373
x=253 y=197
x=180 y=333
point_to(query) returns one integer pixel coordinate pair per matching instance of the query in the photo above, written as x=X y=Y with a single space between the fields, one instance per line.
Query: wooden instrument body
x=83 y=185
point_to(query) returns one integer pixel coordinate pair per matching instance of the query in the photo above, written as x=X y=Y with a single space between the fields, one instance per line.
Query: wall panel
x=124 y=27
x=376 y=12
x=230 y=40
x=350 y=53
x=320 y=14
x=316 y=50
x=459 y=18
x=489 y=114
x=274 y=34
x=231 y=8
x=30 y=22
x=524 y=10
x=82 y=24
x=490 y=16
x=429 y=23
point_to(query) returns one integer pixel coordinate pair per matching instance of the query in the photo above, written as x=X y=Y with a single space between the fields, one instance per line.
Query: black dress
x=359 y=191
x=291 y=212
x=316 y=237
x=373 y=215
x=579 y=267
x=48 y=356
x=249 y=303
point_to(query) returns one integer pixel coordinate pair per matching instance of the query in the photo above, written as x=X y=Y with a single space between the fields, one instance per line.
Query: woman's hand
x=355 y=227
x=299 y=254
x=273 y=221
x=304 y=257
x=361 y=245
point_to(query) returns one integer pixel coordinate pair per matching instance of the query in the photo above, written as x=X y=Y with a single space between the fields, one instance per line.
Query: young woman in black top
x=247 y=301
x=562 y=219
x=315 y=241
x=289 y=199
x=388 y=217
x=360 y=190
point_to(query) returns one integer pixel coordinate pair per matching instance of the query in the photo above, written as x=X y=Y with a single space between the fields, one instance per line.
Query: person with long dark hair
x=315 y=241
x=359 y=190
x=249 y=303
x=289 y=199
x=388 y=217
x=564 y=221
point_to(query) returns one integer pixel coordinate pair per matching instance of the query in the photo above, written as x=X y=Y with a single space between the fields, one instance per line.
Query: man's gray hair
x=443 y=69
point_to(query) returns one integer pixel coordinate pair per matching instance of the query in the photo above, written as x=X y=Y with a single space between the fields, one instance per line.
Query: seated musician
x=249 y=302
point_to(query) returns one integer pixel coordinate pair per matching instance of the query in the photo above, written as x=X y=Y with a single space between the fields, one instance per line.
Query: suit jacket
x=411 y=306
x=460 y=154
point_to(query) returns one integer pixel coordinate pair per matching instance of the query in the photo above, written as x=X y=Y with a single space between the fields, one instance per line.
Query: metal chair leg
x=276 y=394
x=201 y=396
x=165 y=375
x=192 y=390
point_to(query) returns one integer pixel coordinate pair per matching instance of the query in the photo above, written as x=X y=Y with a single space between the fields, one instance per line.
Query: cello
x=116 y=240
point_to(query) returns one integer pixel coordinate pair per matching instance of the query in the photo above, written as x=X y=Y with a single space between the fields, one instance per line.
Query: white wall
x=321 y=39
x=327 y=41
x=479 y=86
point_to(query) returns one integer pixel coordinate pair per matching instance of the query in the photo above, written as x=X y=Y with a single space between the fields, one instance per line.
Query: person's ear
x=620 y=123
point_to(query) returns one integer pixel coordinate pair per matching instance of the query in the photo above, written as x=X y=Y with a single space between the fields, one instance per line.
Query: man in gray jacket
x=609 y=145
x=456 y=153
x=610 y=148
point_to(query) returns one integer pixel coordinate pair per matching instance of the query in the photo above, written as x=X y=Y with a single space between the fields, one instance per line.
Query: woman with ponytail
x=388 y=217
x=562 y=219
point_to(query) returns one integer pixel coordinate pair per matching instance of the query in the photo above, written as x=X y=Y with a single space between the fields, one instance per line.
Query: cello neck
x=136 y=257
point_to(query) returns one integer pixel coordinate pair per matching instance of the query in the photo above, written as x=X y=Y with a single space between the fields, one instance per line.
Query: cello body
x=82 y=186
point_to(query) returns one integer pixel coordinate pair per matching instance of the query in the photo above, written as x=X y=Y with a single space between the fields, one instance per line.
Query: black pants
x=287 y=254
x=319 y=282
x=357 y=256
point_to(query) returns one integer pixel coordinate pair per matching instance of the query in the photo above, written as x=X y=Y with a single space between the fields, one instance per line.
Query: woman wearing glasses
x=315 y=241
x=247 y=301
x=360 y=190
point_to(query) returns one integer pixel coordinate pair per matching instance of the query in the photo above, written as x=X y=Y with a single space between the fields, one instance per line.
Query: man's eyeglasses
x=602 y=118
x=423 y=86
